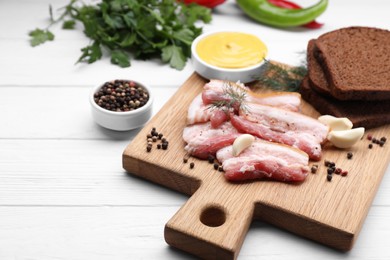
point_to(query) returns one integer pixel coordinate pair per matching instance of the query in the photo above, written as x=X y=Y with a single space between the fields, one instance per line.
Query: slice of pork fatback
x=264 y=160
x=204 y=140
x=282 y=126
x=215 y=91
x=198 y=112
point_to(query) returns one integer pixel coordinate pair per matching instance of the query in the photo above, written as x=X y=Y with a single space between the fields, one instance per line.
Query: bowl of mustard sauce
x=229 y=55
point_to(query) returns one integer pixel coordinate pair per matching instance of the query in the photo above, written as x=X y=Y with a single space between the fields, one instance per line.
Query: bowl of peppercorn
x=121 y=105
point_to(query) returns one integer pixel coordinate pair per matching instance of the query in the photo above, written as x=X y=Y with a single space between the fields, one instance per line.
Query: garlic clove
x=241 y=143
x=336 y=123
x=345 y=138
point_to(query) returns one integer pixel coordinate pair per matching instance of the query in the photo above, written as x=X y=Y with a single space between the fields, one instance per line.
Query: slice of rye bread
x=356 y=62
x=362 y=114
x=316 y=75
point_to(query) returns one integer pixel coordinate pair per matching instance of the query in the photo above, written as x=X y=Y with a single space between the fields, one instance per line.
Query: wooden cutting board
x=212 y=224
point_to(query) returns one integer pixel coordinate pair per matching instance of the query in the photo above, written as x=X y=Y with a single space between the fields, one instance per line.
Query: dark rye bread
x=362 y=114
x=356 y=62
x=316 y=75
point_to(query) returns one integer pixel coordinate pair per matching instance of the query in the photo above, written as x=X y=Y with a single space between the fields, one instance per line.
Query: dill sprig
x=235 y=98
x=281 y=78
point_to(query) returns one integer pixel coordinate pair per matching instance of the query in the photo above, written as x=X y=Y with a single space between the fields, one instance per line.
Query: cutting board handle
x=213 y=223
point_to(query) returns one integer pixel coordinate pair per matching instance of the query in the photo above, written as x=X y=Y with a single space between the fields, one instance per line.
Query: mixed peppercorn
x=381 y=142
x=153 y=137
x=121 y=96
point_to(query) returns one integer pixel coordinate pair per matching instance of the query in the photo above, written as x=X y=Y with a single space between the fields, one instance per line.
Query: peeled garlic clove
x=345 y=138
x=336 y=123
x=241 y=143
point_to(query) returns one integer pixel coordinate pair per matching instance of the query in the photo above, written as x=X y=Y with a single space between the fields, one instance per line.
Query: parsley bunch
x=132 y=29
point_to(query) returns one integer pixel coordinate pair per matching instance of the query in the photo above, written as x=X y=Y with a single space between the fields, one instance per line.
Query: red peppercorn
x=369 y=137
x=344 y=173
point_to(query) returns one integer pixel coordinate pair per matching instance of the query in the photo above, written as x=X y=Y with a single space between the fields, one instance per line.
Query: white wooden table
x=63 y=192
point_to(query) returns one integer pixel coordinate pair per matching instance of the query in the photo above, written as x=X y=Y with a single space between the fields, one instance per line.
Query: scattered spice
x=333 y=169
x=369 y=137
x=210 y=158
x=153 y=137
x=216 y=166
x=314 y=168
x=381 y=142
x=220 y=168
x=349 y=155
x=121 y=96
x=192 y=165
x=164 y=146
x=326 y=163
x=185 y=160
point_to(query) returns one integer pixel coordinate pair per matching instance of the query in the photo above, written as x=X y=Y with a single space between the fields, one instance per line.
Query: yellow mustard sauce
x=231 y=50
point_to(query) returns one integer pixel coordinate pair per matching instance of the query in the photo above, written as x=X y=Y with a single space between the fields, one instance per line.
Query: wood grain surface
x=212 y=224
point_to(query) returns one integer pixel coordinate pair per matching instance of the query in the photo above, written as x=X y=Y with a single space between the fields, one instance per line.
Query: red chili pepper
x=290 y=5
x=206 y=3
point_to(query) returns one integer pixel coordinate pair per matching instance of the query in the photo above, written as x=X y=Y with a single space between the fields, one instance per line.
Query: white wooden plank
x=73 y=172
x=59 y=112
x=137 y=233
x=82 y=172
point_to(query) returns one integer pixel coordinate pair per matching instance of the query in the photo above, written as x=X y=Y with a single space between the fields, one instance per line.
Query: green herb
x=281 y=78
x=235 y=98
x=39 y=36
x=132 y=29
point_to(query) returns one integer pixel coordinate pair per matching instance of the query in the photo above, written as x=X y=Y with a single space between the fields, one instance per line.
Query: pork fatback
x=215 y=91
x=264 y=160
x=204 y=140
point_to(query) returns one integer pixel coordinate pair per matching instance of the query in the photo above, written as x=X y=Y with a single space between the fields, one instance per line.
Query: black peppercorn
x=370 y=146
x=329 y=177
x=164 y=146
x=185 y=160
x=192 y=165
x=216 y=166
x=210 y=158
x=349 y=155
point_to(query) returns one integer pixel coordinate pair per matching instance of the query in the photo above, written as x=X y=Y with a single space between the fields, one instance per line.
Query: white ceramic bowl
x=121 y=121
x=209 y=71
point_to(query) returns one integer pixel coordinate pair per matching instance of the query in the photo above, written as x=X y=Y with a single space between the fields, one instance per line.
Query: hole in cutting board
x=213 y=216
